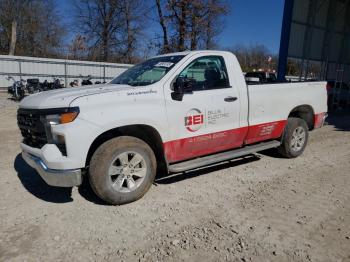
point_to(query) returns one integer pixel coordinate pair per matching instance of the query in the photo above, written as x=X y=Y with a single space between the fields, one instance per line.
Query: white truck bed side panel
x=270 y=103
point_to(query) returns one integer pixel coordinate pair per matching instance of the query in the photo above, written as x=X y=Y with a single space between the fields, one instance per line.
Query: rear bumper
x=54 y=177
x=320 y=120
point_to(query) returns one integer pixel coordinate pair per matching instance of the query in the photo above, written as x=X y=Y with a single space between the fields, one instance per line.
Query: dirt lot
x=261 y=208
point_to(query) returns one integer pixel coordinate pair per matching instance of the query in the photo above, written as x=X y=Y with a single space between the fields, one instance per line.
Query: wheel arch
x=144 y=132
x=305 y=112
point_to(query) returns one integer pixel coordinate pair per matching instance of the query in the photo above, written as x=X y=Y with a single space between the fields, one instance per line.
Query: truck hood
x=63 y=97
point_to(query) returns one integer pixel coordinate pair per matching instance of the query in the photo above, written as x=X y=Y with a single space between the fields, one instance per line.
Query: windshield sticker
x=146 y=92
x=164 y=64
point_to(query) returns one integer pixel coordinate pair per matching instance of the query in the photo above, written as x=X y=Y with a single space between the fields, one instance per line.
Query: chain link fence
x=49 y=69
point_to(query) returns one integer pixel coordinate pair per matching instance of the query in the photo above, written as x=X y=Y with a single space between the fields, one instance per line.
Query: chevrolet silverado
x=173 y=112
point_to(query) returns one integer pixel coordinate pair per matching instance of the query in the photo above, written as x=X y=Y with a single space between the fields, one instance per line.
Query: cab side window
x=207 y=73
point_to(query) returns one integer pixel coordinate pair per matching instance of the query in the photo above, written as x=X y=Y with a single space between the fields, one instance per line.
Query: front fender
x=113 y=110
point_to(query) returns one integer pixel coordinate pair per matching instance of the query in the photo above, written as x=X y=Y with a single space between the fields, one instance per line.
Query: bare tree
x=190 y=24
x=111 y=27
x=196 y=14
x=77 y=48
x=255 y=57
x=180 y=14
x=99 y=21
x=166 y=47
x=10 y=12
x=213 y=21
x=133 y=24
x=178 y=17
x=13 y=37
x=30 y=27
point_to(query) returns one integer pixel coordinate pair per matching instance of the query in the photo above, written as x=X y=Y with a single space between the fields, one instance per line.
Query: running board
x=220 y=157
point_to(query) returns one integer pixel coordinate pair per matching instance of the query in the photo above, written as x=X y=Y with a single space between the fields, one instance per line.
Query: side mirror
x=182 y=85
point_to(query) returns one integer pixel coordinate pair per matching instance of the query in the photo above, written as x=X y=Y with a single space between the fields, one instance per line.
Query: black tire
x=286 y=149
x=102 y=182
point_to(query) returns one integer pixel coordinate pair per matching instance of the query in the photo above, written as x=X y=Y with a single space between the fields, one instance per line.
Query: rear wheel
x=295 y=138
x=122 y=170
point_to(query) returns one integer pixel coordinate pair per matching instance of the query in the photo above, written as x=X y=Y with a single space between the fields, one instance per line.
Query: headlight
x=57 y=117
x=61 y=116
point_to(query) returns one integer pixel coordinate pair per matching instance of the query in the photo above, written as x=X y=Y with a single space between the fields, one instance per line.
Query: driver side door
x=207 y=119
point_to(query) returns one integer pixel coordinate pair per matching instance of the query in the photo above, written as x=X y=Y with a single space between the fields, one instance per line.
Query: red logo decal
x=194 y=120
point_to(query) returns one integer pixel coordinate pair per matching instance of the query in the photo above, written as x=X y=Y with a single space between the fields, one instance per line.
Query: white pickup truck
x=171 y=113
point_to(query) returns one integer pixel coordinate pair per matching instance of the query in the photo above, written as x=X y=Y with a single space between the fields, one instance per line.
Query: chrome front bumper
x=54 y=177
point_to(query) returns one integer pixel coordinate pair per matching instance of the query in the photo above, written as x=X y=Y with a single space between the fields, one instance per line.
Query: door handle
x=230 y=99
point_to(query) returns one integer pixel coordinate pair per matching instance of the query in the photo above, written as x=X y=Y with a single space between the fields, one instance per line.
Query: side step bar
x=220 y=157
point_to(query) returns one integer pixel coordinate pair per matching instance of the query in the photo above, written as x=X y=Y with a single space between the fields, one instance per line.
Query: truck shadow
x=340 y=121
x=174 y=178
x=271 y=153
x=32 y=182
x=86 y=192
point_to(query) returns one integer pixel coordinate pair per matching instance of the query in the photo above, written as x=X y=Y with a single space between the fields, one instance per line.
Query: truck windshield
x=148 y=72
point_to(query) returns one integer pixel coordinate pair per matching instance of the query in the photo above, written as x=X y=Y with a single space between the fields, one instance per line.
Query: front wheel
x=295 y=137
x=122 y=170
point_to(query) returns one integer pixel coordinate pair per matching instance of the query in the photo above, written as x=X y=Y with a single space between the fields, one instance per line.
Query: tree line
x=255 y=57
x=109 y=30
x=30 y=28
x=124 y=31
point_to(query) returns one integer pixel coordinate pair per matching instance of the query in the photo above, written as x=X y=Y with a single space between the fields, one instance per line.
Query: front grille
x=32 y=128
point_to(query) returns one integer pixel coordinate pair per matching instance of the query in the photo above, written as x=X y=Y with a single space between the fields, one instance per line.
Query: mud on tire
x=122 y=170
x=294 y=139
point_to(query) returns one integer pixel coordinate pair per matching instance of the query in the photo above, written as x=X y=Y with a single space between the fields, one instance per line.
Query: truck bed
x=274 y=102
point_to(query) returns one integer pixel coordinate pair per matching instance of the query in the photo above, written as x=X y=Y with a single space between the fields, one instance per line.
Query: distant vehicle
x=260 y=77
x=338 y=94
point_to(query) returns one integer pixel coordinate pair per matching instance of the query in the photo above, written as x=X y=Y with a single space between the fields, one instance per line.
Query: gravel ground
x=259 y=208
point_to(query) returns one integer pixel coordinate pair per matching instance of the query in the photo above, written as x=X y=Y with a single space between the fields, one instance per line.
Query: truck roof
x=185 y=53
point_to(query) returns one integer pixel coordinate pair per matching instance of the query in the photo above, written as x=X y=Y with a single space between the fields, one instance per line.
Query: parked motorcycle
x=17 y=90
x=86 y=81
x=74 y=83
x=45 y=86
x=56 y=84
x=33 y=86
